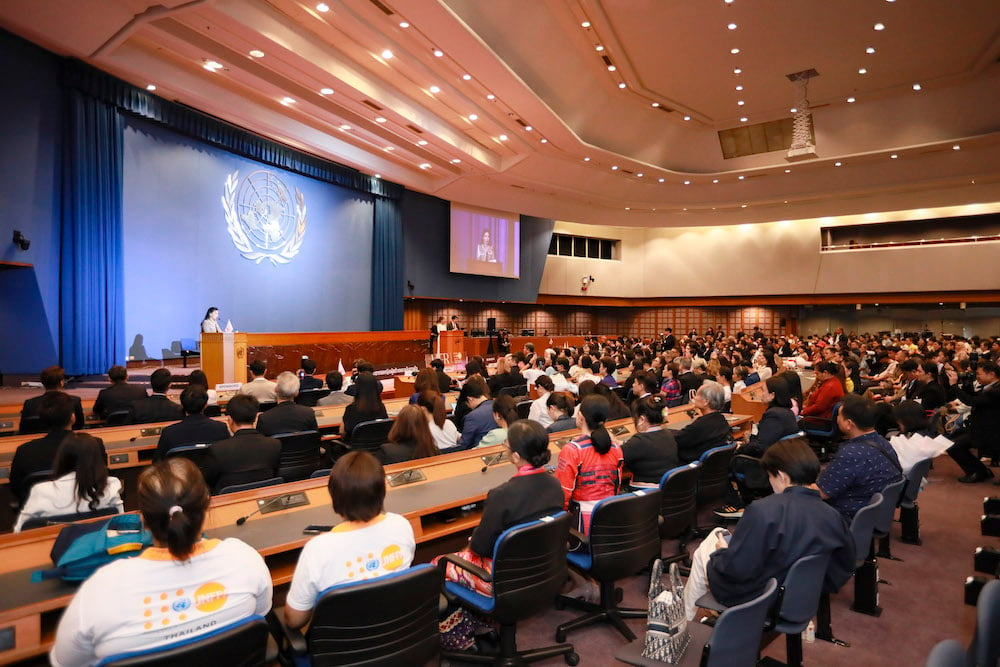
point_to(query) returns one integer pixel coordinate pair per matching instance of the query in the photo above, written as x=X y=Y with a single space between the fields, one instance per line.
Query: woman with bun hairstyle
x=590 y=465
x=652 y=451
x=181 y=587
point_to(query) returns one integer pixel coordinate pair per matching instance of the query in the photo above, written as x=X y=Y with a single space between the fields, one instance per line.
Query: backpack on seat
x=81 y=548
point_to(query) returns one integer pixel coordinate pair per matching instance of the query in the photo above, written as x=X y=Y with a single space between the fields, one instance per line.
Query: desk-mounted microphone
x=243 y=519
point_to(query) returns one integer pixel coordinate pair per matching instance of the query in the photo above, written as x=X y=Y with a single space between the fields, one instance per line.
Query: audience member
x=367 y=405
x=409 y=439
x=827 y=392
x=671 y=387
x=983 y=432
x=504 y=414
x=709 y=429
x=259 y=386
x=157 y=407
x=444 y=380
x=287 y=416
x=55 y=411
x=195 y=428
x=560 y=409
x=443 y=430
x=652 y=451
x=335 y=383
x=479 y=420
x=308 y=381
x=53 y=379
x=777 y=421
x=539 y=410
x=197 y=378
x=119 y=396
x=915 y=441
x=247 y=455
x=361 y=366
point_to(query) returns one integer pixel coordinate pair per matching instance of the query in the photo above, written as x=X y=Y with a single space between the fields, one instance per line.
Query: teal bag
x=81 y=548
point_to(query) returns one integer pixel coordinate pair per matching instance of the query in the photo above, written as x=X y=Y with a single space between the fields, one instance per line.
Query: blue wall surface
x=180 y=258
x=426 y=226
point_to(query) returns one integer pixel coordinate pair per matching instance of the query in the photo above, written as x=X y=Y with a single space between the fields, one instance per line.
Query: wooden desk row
x=30 y=611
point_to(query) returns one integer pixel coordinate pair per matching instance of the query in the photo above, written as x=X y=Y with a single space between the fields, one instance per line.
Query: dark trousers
x=961 y=452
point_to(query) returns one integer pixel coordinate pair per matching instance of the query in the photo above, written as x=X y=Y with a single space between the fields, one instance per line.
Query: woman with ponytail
x=183 y=586
x=590 y=465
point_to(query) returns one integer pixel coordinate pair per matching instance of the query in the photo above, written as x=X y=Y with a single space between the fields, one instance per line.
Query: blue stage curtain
x=387 y=266
x=92 y=317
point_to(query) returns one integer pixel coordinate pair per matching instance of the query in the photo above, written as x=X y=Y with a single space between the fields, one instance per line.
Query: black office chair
x=677 y=507
x=264 y=406
x=42 y=521
x=734 y=640
x=892 y=494
x=370 y=435
x=624 y=538
x=821 y=435
x=515 y=391
x=909 y=512
x=189 y=348
x=381 y=622
x=249 y=486
x=199 y=454
x=523 y=408
x=241 y=644
x=529 y=568
x=32 y=424
x=310 y=397
x=300 y=454
x=713 y=480
x=117 y=418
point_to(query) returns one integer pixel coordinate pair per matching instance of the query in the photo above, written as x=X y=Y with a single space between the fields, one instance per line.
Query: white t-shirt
x=348 y=554
x=539 y=412
x=152 y=600
x=445 y=437
x=560 y=383
x=58 y=497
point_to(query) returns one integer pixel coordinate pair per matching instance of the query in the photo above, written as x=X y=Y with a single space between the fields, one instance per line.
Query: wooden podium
x=224 y=357
x=451 y=346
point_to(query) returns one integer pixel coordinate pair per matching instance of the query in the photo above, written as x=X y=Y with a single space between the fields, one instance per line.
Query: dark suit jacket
x=444 y=382
x=688 y=382
x=155 y=408
x=932 y=395
x=192 y=430
x=985 y=418
x=117 y=397
x=30 y=409
x=775 y=424
x=287 y=417
x=704 y=433
x=246 y=457
x=33 y=456
x=310 y=382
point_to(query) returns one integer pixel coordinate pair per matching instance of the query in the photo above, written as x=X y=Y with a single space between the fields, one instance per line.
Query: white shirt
x=532 y=374
x=59 y=497
x=348 y=554
x=560 y=383
x=539 y=412
x=152 y=600
x=445 y=437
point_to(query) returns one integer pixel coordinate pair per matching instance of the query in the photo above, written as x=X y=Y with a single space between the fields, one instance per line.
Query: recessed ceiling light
x=422 y=142
x=794 y=110
x=435 y=89
x=491 y=97
x=150 y=87
x=377 y=176
x=660 y=180
x=870 y=50
x=788 y=171
x=737 y=71
x=585 y=24
x=586 y=159
x=473 y=116
x=379 y=119
x=879 y=26
x=545 y=141
x=614 y=167
x=322 y=7
x=257 y=53
x=740 y=102
x=387 y=54
x=687 y=182
x=621 y=85
x=212 y=66
x=528 y=128
x=684 y=209
x=438 y=53
x=743 y=119
x=655 y=105
x=734 y=51
x=425 y=165
x=863 y=70
x=503 y=137
x=404 y=24
x=715 y=180
x=893 y=156
x=326 y=91
x=731 y=26
x=741 y=177
x=838 y=164
x=390 y=148
x=345 y=127
x=850 y=100
x=739 y=87
x=916 y=87
x=687 y=117
x=466 y=77
x=956 y=147
x=287 y=100
x=743 y=205
x=611 y=68
x=599 y=47
x=728 y=2
x=455 y=161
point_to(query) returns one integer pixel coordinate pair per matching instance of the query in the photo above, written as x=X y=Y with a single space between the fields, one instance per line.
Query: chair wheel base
x=572 y=659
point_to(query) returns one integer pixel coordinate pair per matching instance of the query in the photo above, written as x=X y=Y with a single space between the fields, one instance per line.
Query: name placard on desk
x=283 y=502
x=406 y=477
x=621 y=429
x=228 y=386
x=147 y=432
x=494 y=459
x=6 y=426
x=561 y=442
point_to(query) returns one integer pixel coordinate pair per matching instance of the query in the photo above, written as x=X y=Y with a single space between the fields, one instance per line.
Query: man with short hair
x=308 y=382
x=156 y=407
x=479 y=420
x=119 y=396
x=864 y=465
x=259 y=387
x=710 y=429
x=53 y=379
x=984 y=428
x=690 y=381
x=194 y=429
x=248 y=455
x=335 y=383
x=453 y=324
x=55 y=410
x=444 y=380
x=287 y=416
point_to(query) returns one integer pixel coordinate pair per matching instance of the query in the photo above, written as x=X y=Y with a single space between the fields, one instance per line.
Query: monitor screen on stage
x=484 y=242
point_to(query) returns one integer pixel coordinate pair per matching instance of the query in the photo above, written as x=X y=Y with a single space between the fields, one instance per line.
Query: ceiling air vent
x=371 y=104
x=775 y=135
x=382 y=8
x=415 y=129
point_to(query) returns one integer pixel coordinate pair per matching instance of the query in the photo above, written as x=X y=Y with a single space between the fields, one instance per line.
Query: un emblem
x=263 y=220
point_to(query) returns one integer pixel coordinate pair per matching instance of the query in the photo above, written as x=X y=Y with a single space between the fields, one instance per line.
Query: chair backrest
x=830 y=431
x=913 y=480
x=43 y=521
x=947 y=653
x=32 y=424
x=677 y=503
x=738 y=631
x=198 y=454
x=891 y=496
x=236 y=488
x=242 y=644
x=802 y=587
x=986 y=642
x=863 y=527
x=386 y=621
x=371 y=435
x=529 y=567
x=300 y=454
x=310 y=397
x=624 y=534
x=713 y=473
x=523 y=408
x=517 y=390
x=322 y=472
x=117 y=418
x=33 y=478
x=189 y=345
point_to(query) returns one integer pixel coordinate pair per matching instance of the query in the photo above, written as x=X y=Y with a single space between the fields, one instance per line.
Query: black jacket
x=774 y=424
x=246 y=457
x=648 y=455
x=33 y=456
x=520 y=499
x=117 y=397
x=192 y=430
x=30 y=409
x=287 y=417
x=155 y=408
x=704 y=433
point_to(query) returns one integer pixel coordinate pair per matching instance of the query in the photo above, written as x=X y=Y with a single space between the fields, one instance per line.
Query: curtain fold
x=387 y=266
x=92 y=319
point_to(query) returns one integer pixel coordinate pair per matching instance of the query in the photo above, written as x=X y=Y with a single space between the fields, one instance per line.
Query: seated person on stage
x=122 y=607
x=865 y=463
x=539 y=410
x=259 y=387
x=444 y=380
x=777 y=422
x=56 y=415
x=652 y=451
x=915 y=440
x=825 y=394
x=709 y=429
x=119 y=396
x=307 y=382
x=774 y=532
x=409 y=439
x=369 y=543
x=194 y=429
x=80 y=483
x=156 y=407
x=590 y=465
x=246 y=456
x=197 y=378
x=442 y=429
x=287 y=416
x=984 y=430
x=367 y=405
x=53 y=379
x=335 y=383
x=530 y=494
x=560 y=409
x=504 y=414
x=479 y=420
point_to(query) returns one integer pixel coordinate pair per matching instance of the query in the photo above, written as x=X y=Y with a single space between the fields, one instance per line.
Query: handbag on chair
x=667 y=635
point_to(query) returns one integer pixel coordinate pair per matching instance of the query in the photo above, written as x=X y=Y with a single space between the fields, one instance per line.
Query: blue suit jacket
x=478 y=423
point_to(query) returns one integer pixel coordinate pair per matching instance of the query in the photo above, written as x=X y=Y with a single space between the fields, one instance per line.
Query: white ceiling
x=543 y=69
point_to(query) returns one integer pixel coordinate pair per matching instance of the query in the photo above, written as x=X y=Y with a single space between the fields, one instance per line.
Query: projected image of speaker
x=491 y=325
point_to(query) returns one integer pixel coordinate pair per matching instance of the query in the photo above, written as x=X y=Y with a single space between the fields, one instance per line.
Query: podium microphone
x=243 y=519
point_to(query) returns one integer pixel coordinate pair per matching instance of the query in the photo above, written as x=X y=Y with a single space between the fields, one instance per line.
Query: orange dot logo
x=210 y=597
x=392 y=557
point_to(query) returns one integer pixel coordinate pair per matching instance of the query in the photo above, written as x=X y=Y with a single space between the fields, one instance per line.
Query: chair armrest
x=459 y=562
x=289 y=641
x=577 y=540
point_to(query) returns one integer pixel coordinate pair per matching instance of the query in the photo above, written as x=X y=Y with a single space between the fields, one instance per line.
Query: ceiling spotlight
x=438 y=53
x=599 y=47
x=916 y=87
x=257 y=53
x=639 y=175
x=687 y=182
x=611 y=68
x=528 y=128
x=893 y=156
x=150 y=87
x=586 y=159
x=715 y=180
x=287 y=100
x=687 y=117
x=660 y=180
x=322 y=7
x=838 y=164
x=731 y=26
x=345 y=127
x=956 y=147
x=850 y=100
x=621 y=85
x=741 y=177
x=212 y=66
x=387 y=54
x=466 y=77
x=734 y=51
x=628 y=208
x=862 y=70
x=473 y=116
x=491 y=97
x=788 y=171
x=879 y=26
x=422 y=142
x=326 y=91
x=455 y=161
x=793 y=110
x=379 y=119
x=503 y=137
x=870 y=50
x=614 y=167
x=377 y=176
x=425 y=165
x=390 y=148
x=743 y=205
x=545 y=141
x=737 y=71
x=404 y=24
x=655 y=105
x=739 y=87
x=585 y=24
x=740 y=102
x=743 y=119
x=434 y=89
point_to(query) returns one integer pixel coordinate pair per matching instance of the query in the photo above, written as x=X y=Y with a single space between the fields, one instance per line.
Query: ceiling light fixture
x=850 y=100
x=660 y=180
x=212 y=66
x=545 y=141
x=377 y=176
x=466 y=77
x=628 y=208
x=387 y=54
x=287 y=100
x=150 y=87
x=743 y=205
x=741 y=177
x=491 y=97
x=743 y=119
x=503 y=137
x=404 y=24
x=687 y=117
x=390 y=148
x=739 y=87
x=715 y=180
x=473 y=116
x=585 y=24
x=879 y=27
x=737 y=71
x=794 y=110
x=788 y=171
x=422 y=142
x=622 y=85
x=614 y=167
x=956 y=147
x=611 y=68
x=639 y=175
x=893 y=156
x=740 y=102
x=379 y=119
x=917 y=87
x=345 y=127
x=256 y=53
x=438 y=53
x=862 y=70
x=434 y=89
x=455 y=161
x=599 y=47
x=425 y=165
x=732 y=26
x=322 y=7
x=326 y=91
x=528 y=128
x=870 y=50
x=734 y=51
x=687 y=182
x=838 y=164
x=655 y=105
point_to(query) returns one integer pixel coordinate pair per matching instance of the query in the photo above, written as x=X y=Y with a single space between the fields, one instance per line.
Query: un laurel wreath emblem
x=261 y=217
